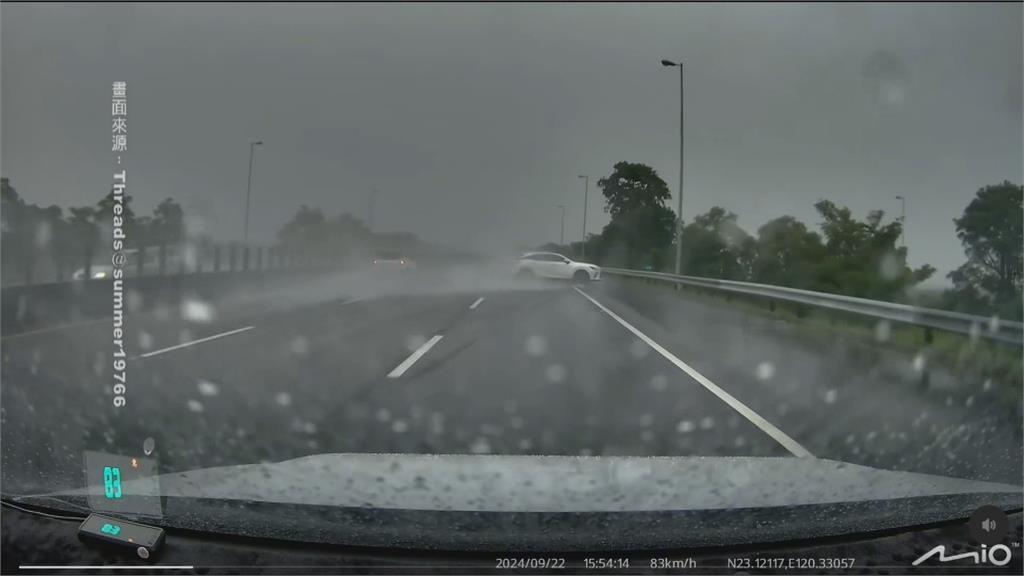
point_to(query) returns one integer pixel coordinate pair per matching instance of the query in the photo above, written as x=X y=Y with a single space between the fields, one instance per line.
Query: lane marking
x=788 y=443
x=56 y=328
x=477 y=303
x=401 y=368
x=194 y=342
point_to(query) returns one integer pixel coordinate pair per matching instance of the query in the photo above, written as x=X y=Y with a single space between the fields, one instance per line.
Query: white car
x=393 y=262
x=552 y=265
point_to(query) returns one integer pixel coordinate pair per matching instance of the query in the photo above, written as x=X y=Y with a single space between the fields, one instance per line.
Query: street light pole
x=248 y=190
x=561 y=242
x=586 y=192
x=903 y=220
x=679 y=215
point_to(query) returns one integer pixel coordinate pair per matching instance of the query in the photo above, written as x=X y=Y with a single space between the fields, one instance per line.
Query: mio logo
x=998 y=555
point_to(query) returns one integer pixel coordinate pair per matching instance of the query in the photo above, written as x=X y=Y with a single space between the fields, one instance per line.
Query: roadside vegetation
x=840 y=254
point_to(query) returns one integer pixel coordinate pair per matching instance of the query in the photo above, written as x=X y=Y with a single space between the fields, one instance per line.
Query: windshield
x=804 y=224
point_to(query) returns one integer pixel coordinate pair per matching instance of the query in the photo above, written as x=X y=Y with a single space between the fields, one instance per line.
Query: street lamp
x=679 y=215
x=903 y=220
x=561 y=242
x=586 y=192
x=248 y=189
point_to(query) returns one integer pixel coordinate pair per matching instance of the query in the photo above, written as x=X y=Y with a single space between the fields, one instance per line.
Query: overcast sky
x=473 y=121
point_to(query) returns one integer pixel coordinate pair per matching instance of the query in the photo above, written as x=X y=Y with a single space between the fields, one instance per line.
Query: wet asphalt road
x=419 y=363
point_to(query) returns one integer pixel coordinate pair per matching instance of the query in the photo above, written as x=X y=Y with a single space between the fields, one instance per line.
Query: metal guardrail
x=992 y=328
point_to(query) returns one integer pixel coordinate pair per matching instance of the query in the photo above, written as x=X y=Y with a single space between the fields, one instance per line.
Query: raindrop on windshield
x=765 y=371
x=536 y=345
x=207 y=388
x=555 y=373
x=480 y=446
x=148 y=445
x=283 y=398
x=197 y=311
x=299 y=345
x=883 y=331
x=919 y=362
x=685 y=426
x=638 y=349
x=414 y=342
x=993 y=324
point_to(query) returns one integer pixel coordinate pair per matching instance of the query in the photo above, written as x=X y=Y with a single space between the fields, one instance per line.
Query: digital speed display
x=126 y=484
x=114 y=531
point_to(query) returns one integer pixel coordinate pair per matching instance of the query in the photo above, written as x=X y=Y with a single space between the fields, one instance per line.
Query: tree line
x=47 y=242
x=39 y=239
x=843 y=255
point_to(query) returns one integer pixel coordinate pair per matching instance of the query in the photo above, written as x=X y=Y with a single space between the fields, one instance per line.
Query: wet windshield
x=790 y=232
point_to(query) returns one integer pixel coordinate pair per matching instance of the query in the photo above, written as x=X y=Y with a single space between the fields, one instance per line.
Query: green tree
x=85 y=233
x=306 y=232
x=990 y=230
x=632 y=186
x=105 y=213
x=638 y=239
x=641 y=226
x=715 y=246
x=787 y=254
x=18 y=250
x=861 y=257
x=167 y=226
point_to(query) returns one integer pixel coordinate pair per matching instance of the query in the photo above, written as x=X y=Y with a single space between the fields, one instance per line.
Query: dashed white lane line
x=194 y=342
x=792 y=445
x=408 y=362
x=477 y=303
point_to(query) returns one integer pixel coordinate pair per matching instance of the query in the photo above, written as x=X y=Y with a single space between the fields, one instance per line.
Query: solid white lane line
x=194 y=342
x=477 y=303
x=792 y=445
x=401 y=368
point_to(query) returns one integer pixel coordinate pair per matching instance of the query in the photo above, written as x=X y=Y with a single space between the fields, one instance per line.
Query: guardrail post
x=141 y=262
x=231 y=257
x=162 y=259
x=245 y=258
x=216 y=257
x=259 y=257
x=926 y=375
x=181 y=260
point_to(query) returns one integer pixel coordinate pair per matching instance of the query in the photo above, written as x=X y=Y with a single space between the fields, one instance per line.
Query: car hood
x=558 y=503
x=560 y=483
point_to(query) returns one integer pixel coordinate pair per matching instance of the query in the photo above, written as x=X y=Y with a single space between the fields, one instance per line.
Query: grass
x=967 y=360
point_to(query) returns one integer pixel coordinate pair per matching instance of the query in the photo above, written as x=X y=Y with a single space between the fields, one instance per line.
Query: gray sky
x=474 y=120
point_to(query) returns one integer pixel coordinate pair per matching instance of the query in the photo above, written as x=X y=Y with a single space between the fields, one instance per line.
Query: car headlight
x=100 y=275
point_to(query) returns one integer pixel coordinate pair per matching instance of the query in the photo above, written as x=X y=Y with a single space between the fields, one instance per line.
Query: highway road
x=471 y=360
